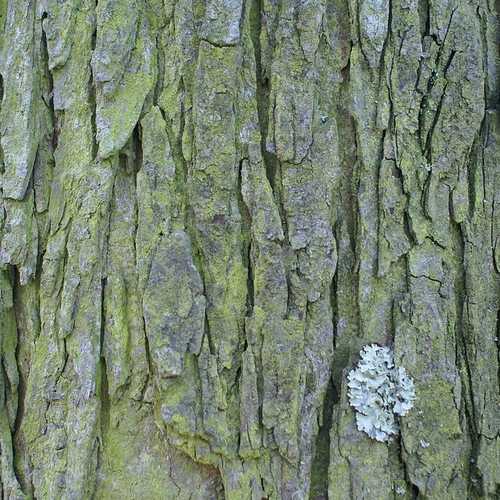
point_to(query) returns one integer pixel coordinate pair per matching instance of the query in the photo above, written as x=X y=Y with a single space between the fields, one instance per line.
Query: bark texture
x=208 y=208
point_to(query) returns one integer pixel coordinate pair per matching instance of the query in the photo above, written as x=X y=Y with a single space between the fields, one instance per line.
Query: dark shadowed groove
x=92 y=91
x=263 y=84
x=489 y=95
x=497 y=340
x=103 y=393
x=139 y=164
x=321 y=460
x=344 y=283
x=49 y=99
x=18 y=451
x=382 y=77
x=424 y=17
x=462 y=353
x=333 y=296
x=246 y=224
x=379 y=203
x=160 y=63
x=103 y=386
x=182 y=178
x=137 y=141
x=347 y=136
x=414 y=493
x=346 y=230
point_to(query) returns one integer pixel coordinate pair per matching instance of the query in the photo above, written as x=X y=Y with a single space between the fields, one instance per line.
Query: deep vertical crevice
x=333 y=293
x=321 y=460
x=104 y=391
x=424 y=18
x=246 y=223
x=348 y=155
x=103 y=388
x=20 y=391
x=139 y=162
x=181 y=166
x=1 y=97
x=344 y=287
x=462 y=357
x=104 y=394
x=497 y=341
x=48 y=96
x=17 y=449
x=92 y=92
x=160 y=63
x=79 y=237
x=379 y=202
x=263 y=89
x=413 y=492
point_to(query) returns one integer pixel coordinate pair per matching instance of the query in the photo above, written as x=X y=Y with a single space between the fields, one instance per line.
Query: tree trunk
x=209 y=208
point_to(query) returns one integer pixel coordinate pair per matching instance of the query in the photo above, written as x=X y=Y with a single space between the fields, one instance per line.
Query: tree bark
x=208 y=208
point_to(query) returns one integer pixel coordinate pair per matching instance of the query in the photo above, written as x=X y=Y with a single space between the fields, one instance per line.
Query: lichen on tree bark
x=208 y=208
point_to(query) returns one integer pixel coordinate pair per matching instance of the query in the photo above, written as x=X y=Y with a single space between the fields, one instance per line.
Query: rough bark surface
x=208 y=208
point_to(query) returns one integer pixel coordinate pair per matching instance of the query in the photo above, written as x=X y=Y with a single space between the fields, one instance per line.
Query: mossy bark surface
x=208 y=207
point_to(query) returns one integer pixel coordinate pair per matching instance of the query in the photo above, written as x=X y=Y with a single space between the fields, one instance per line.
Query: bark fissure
x=208 y=208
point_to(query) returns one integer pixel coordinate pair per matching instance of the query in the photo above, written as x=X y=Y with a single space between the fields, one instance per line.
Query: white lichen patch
x=378 y=391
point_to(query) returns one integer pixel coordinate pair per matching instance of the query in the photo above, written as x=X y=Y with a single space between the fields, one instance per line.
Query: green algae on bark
x=208 y=208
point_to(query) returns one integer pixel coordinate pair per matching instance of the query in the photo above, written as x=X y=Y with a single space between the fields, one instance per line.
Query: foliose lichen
x=378 y=391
